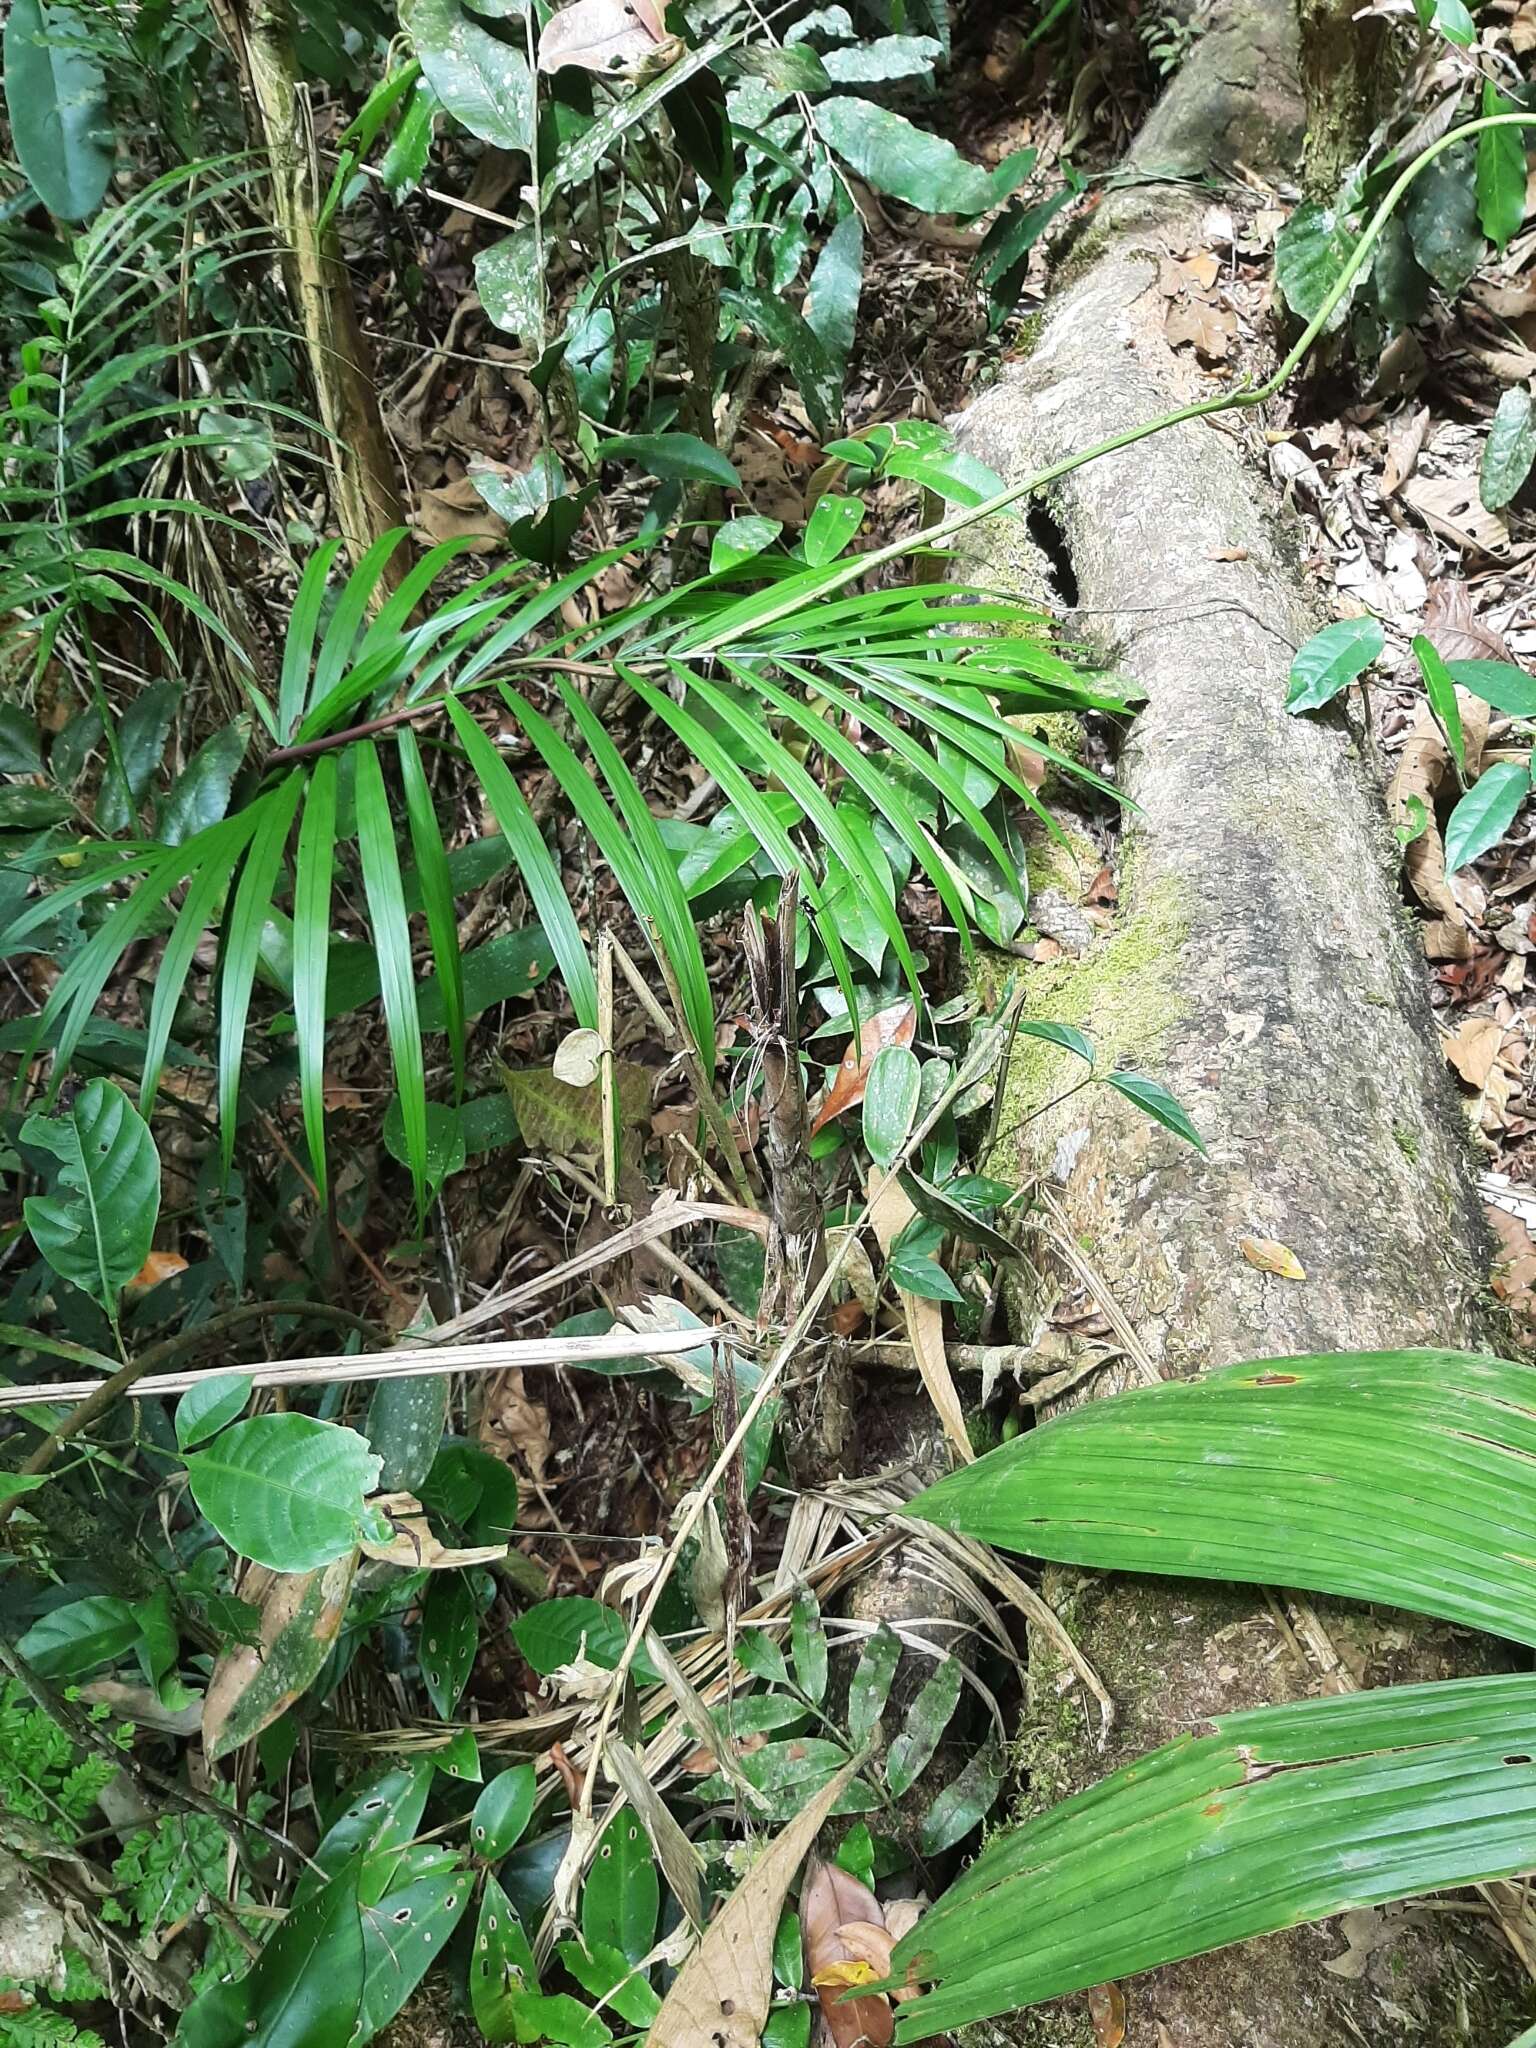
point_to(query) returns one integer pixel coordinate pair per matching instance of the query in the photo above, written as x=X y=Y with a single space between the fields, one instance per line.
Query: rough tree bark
x=1261 y=963
x=1346 y=75
x=367 y=502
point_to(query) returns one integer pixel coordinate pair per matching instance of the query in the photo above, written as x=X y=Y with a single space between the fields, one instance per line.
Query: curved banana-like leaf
x=1275 y=1817
x=1398 y=1476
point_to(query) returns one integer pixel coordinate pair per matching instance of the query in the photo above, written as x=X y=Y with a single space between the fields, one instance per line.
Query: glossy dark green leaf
x=741 y=539
x=1500 y=172
x=141 y=741
x=621 y=1899
x=1448 y=18
x=200 y=796
x=80 y=1637
x=837 y=283
x=611 y=1980
x=1486 y=812
x=436 y=889
x=450 y=1636
x=682 y=458
x=96 y=1224
x=1264 y=1820
x=407 y=1930
x=445 y=1149
x=890 y=1101
x=1152 y=1097
x=557 y=1632
x=1331 y=660
x=831 y=526
x=313 y=867
x=56 y=97
x=502 y=1812
x=1067 y=1036
x=501 y=1966
x=306 y=1989
x=20 y=748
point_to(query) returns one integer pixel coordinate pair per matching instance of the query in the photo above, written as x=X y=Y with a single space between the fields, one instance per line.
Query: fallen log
x=1261 y=964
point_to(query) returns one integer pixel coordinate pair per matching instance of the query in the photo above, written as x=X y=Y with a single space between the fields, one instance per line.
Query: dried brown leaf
x=1474 y=1049
x=1106 y=2009
x=721 y=1995
x=894 y=1026
x=1270 y=1256
x=832 y=1900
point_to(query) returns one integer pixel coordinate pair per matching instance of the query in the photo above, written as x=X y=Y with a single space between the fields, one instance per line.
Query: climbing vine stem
x=1230 y=401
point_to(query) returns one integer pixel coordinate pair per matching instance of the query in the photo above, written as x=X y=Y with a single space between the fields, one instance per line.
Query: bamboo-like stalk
x=406 y=1362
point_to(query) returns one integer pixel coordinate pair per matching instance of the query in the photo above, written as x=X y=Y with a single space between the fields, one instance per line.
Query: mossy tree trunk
x=1261 y=965
x=1346 y=77
x=366 y=498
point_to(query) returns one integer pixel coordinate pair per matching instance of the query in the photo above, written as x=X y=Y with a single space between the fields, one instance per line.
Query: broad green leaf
x=818 y=377
x=1499 y=683
x=204 y=1410
x=870 y=1686
x=950 y=473
x=902 y=161
x=502 y=1812
x=1286 y=1472
x=1509 y=450
x=406 y=1931
x=1310 y=253
x=791 y=1774
x=808 y=1644
x=1440 y=208
x=285 y=1490
x=475 y=1490
x=557 y=1632
x=741 y=540
x=306 y=1989
x=912 y=1750
x=405 y=1428
x=1500 y=173
x=20 y=750
x=831 y=526
x=1331 y=660
x=794 y=67
x=757 y=1652
x=885 y=58
x=837 y=281
x=450 y=1636
x=1266 y=1820
x=445 y=1143
x=966 y=1800
x=501 y=1966
x=1486 y=812
x=26 y=809
x=611 y=1980
x=96 y=1224
x=1440 y=689
x=621 y=1899
x=255 y=1682
x=80 y=1637
x=141 y=740
x=482 y=81
x=200 y=796
x=1449 y=18
x=56 y=97
x=1067 y=1036
x=1154 y=1098
x=509 y=277
x=681 y=458
x=890 y=1101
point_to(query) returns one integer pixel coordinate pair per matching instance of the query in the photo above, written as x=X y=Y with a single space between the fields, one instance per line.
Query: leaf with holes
x=501 y=1967
x=407 y=1930
x=502 y=1812
x=285 y=1490
x=97 y=1223
x=450 y=1635
x=622 y=1896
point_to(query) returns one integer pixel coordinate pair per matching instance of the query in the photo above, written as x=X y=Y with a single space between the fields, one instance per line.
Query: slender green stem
x=957 y=522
